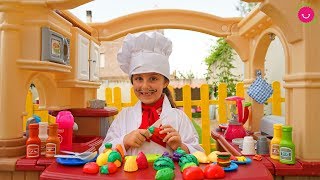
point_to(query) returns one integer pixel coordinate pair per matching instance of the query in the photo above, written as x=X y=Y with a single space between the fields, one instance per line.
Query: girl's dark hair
x=166 y=91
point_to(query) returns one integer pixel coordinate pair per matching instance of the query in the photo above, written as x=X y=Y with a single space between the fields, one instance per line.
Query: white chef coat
x=130 y=118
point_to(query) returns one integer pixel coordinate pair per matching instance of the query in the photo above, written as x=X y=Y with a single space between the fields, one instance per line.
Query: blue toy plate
x=232 y=167
x=247 y=161
x=73 y=161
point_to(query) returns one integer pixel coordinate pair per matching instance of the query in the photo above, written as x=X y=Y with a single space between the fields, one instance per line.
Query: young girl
x=145 y=59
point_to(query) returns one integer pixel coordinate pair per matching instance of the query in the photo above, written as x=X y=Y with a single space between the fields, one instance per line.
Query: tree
x=244 y=8
x=221 y=58
x=219 y=66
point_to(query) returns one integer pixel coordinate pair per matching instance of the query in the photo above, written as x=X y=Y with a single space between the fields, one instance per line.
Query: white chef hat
x=144 y=53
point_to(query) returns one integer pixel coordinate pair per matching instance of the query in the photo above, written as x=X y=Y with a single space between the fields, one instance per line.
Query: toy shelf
x=45 y=66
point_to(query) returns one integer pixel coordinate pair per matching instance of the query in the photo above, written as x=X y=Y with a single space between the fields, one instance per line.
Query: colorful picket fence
x=114 y=98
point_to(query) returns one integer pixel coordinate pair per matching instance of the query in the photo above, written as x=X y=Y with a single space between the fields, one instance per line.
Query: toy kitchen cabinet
x=85 y=60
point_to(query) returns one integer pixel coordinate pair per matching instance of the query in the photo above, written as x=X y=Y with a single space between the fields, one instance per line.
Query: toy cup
x=262 y=145
x=248 y=146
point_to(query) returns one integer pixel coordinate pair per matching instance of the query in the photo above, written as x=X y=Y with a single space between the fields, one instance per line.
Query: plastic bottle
x=33 y=143
x=275 y=142
x=53 y=141
x=43 y=135
x=287 y=148
x=65 y=130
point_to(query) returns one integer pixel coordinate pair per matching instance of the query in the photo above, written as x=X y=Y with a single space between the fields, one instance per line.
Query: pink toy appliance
x=65 y=121
x=237 y=116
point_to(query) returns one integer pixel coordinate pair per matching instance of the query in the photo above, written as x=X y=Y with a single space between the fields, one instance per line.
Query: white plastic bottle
x=43 y=135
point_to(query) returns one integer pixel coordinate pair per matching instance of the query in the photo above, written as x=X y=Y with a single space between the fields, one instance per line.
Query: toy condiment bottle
x=65 y=129
x=53 y=141
x=275 y=142
x=43 y=135
x=33 y=143
x=287 y=148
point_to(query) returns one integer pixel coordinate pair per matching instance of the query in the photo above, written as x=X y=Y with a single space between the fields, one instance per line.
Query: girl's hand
x=135 y=138
x=173 y=138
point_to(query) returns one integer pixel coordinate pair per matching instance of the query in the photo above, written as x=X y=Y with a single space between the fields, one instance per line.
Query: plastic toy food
x=90 y=168
x=130 y=164
x=257 y=157
x=163 y=162
x=104 y=169
x=186 y=165
x=213 y=156
x=115 y=157
x=241 y=158
x=142 y=161
x=223 y=159
x=213 y=171
x=193 y=173
x=107 y=147
x=201 y=156
x=102 y=158
x=150 y=157
x=110 y=168
x=166 y=154
x=120 y=150
x=165 y=174
x=177 y=154
x=188 y=158
x=156 y=132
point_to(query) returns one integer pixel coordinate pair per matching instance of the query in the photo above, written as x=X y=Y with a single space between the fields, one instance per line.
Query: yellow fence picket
x=222 y=95
x=204 y=95
x=117 y=101
x=240 y=89
x=108 y=95
x=186 y=98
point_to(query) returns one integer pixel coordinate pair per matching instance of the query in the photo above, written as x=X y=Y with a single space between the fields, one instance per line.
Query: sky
x=190 y=48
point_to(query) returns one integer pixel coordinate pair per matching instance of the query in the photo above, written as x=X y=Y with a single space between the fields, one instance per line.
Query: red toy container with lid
x=65 y=121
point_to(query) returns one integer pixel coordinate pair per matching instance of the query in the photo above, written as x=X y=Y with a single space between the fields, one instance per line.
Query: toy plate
x=232 y=167
x=247 y=161
x=73 y=161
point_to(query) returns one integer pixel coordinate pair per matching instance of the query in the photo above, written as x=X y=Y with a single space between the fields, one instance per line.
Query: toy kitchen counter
x=92 y=122
x=301 y=169
x=254 y=170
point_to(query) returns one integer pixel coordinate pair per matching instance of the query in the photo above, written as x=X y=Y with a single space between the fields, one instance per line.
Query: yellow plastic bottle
x=275 y=142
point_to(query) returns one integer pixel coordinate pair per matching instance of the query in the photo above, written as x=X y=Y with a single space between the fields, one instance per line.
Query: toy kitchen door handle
x=224 y=143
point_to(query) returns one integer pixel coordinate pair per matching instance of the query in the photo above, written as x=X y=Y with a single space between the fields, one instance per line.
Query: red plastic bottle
x=65 y=129
x=33 y=142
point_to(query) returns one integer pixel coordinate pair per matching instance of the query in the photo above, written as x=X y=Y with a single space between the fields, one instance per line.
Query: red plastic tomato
x=142 y=161
x=213 y=171
x=193 y=173
x=91 y=168
x=112 y=168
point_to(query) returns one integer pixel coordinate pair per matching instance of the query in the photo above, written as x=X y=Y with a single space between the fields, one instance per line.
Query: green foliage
x=244 y=8
x=219 y=66
x=187 y=75
x=199 y=131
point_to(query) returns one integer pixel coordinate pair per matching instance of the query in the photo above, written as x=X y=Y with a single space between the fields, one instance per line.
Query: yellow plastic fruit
x=213 y=156
x=131 y=164
x=201 y=156
x=102 y=159
x=241 y=158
